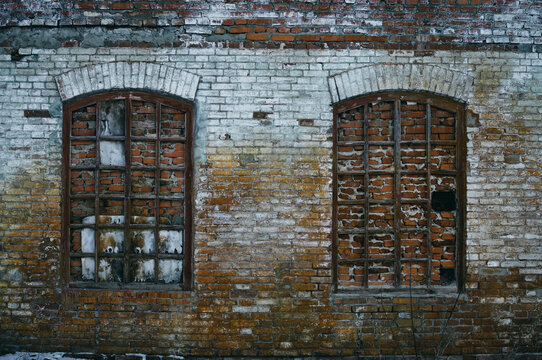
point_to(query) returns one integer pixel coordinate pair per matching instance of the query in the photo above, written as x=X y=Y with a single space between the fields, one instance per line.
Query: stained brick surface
x=262 y=283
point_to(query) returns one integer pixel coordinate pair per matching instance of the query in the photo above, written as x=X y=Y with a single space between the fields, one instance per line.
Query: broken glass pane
x=112 y=115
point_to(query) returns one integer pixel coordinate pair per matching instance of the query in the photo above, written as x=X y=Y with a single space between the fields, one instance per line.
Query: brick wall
x=422 y=25
x=264 y=77
x=262 y=259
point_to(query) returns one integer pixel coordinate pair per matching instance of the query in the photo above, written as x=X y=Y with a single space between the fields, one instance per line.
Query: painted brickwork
x=414 y=24
x=262 y=271
x=264 y=77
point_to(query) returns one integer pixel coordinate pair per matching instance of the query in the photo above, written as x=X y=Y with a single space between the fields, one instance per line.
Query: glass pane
x=351 y=217
x=380 y=121
x=442 y=183
x=413 y=121
x=350 y=246
x=442 y=124
x=171 y=212
x=381 y=187
x=170 y=271
x=381 y=246
x=82 y=182
x=350 y=187
x=172 y=154
x=381 y=158
x=414 y=245
x=351 y=276
x=414 y=273
x=142 y=241
x=443 y=157
x=143 y=118
x=170 y=242
x=380 y=274
x=111 y=181
x=82 y=240
x=82 y=211
x=143 y=211
x=111 y=211
x=381 y=216
x=172 y=122
x=112 y=118
x=84 y=121
x=110 y=270
x=88 y=243
x=350 y=125
x=413 y=216
x=413 y=157
x=112 y=153
x=414 y=187
x=143 y=182
x=110 y=241
x=350 y=158
x=171 y=183
x=142 y=270
x=82 y=269
x=143 y=153
x=83 y=153
x=443 y=242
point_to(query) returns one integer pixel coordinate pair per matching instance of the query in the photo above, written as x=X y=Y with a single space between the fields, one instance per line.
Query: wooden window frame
x=185 y=283
x=460 y=142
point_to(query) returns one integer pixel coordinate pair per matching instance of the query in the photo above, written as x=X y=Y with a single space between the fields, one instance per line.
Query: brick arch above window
x=405 y=77
x=127 y=75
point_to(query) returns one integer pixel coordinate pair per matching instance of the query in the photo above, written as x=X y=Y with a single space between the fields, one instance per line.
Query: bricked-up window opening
x=398 y=193
x=127 y=191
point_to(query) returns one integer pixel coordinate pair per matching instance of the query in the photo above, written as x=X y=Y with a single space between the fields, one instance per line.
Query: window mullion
x=428 y=209
x=366 y=195
x=127 y=186
x=397 y=192
x=157 y=191
x=96 y=190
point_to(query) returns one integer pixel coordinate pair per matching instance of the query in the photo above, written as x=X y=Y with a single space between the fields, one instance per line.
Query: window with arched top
x=399 y=193
x=127 y=218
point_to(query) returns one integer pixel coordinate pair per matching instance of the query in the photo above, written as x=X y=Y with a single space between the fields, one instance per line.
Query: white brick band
x=127 y=75
x=384 y=77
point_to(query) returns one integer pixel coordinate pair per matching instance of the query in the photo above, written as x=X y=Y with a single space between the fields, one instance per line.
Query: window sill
x=441 y=291
x=127 y=287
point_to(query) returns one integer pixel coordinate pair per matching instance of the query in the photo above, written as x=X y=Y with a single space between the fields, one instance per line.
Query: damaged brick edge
x=389 y=77
x=127 y=75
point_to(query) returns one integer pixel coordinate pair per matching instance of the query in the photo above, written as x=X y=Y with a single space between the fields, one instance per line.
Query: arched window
x=398 y=192
x=127 y=191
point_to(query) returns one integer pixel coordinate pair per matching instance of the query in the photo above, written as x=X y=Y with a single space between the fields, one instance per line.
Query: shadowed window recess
x=398 y=192
x=127 y=191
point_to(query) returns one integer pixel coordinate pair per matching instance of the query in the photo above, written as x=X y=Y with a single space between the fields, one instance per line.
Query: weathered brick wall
x=414 y=24
x=262 y=260
x=269 y=73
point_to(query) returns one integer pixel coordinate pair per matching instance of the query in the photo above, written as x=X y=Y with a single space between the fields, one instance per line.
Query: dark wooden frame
x=187 y=140
x=460 y=173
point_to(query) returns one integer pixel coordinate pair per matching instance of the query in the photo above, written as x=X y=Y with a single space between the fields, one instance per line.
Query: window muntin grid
x=127 y=191
x=398 y=159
